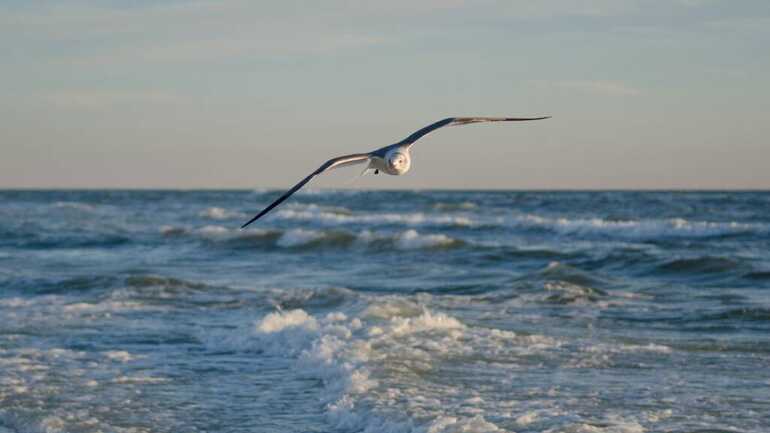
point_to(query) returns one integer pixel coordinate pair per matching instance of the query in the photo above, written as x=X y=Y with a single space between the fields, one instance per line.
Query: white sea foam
x=369 y=363
x=297 y=237
x=106 y=306
x=527 y=418
x=214 y=232
x=317 y=208
x=139 y=379
x=675 y=227
x=326 y=217
x=279 y=321
x=168 y=230
x=410 y=239
x=219 y=233
x=407 y=240
x=477 y=424
x=17 y=302
x=119 y=356
x=218 y=213
x=85 y=207
x=612 y=424
x=621 y=348
x=425 y=322
x=659 y=415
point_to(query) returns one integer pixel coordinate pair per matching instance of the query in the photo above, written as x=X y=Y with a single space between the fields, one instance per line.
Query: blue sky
x=254 y=94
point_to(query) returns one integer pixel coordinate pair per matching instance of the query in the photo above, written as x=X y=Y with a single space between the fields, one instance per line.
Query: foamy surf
x=380 y=369
x=370 y=363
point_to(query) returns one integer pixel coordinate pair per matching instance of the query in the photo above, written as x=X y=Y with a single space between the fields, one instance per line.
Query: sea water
x=385 y=311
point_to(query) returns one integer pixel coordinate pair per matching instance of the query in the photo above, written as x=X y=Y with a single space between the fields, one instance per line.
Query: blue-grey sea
x=385 y=311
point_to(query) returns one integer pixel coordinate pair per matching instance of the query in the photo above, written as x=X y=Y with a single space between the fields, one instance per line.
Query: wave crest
x=218 y=213
x=309 y=238
x=639 y=229
x=325 y=216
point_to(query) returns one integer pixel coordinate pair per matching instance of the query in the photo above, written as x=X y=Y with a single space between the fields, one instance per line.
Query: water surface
x=351 y=311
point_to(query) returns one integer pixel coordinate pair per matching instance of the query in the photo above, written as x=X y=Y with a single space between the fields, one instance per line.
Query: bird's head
x=398 y=162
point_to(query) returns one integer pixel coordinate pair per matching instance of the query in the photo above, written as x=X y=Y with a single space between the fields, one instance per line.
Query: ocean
x=385 y=311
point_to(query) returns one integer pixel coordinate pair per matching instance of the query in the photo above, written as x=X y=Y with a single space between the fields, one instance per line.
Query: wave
x=218 y=213
x=567 y=293
x=46 y=378
x=640 y=229
x=104 y=291
x=409 y=239
x=556 y=285
x=144 y=281
x=71 y=205
x=375 y=365
x=461 y=206
x=326 y=216
x=312 y=207
x=722 y=319
x=560 y=272
x=309 y=238
x=331 y=297
x=55 y=286
x=49 y=240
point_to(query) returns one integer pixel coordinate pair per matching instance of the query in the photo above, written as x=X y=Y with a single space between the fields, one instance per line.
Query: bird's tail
x=363 y=173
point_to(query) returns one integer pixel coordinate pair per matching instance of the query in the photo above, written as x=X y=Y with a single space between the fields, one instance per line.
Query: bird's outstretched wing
x=456 y=121
x=341 y=161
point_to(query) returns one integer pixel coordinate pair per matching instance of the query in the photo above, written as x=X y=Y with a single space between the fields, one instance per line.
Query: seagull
x=393 y=159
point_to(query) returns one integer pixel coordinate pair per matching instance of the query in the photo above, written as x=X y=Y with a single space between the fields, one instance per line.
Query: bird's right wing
x=333 y=163
x=456 y=121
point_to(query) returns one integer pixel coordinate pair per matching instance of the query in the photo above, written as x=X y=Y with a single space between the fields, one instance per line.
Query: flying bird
x=393 y=159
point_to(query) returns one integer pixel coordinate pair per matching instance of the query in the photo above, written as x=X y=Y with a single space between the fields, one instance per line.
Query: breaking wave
x=218 y=213
x=309 y=238
x=375 y=362
x=332 y=217
x=78 y=206
x=641 y=229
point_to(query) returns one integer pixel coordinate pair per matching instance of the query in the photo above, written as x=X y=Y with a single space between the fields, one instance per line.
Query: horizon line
x=270 y=189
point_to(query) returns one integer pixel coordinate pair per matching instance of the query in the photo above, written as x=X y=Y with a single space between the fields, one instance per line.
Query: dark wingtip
x=249 y=222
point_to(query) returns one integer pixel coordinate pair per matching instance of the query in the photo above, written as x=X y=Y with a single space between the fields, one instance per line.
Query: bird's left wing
x=341 y=161
x=456 y=121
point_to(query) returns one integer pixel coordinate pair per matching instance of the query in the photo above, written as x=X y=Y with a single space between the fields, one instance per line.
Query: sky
x=644 y=94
